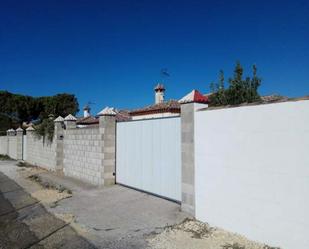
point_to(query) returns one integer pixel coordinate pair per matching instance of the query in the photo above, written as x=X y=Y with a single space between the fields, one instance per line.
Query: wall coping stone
x=107 y=111
x=70 y=117
x=59 y=119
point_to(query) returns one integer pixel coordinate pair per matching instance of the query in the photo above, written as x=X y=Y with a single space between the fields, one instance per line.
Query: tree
x=16 y=109
x=239 y=91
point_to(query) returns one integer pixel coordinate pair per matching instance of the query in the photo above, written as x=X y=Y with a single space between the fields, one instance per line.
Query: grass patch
x=24 y=164
x=48 y=185
x=233 y=246
x=198 y=230
x=5 y=157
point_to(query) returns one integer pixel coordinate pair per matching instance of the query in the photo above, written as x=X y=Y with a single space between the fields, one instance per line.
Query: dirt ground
x=46 y=193
x=192 y=234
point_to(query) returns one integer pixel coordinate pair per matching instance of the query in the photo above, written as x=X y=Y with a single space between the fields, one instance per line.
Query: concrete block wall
x=12 y=146
x=41 y=152
x=108 y=133
x=3 y=145
x=187 y=156
x=83 y=154
x=89 y=153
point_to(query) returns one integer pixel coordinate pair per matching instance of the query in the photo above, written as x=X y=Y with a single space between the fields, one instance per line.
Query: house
x=163 y=108
x=160 y=109
x=89 y=119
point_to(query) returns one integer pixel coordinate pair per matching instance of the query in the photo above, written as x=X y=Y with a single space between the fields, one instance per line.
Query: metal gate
x=148 y=156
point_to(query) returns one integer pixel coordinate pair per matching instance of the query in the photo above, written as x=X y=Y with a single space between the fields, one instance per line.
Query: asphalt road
x=25 y=223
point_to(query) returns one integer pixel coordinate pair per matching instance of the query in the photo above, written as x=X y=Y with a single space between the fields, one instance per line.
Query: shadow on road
x=25 y=223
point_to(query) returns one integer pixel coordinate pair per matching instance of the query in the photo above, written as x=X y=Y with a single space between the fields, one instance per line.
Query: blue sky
x=111 y=52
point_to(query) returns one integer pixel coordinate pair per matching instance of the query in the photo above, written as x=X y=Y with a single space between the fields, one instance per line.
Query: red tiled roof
x=159 y=87
x=87 y=120
x=170 y=106
x=194 y=96
x=121 y=115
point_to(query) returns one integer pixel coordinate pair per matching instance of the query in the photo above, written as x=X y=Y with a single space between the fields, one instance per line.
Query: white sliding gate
x=148 y=156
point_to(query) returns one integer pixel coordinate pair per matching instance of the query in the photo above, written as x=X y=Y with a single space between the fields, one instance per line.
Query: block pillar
x=19 y=143
x=188 y=155
x=8 y=141
x=58 y=136
x=107 y=127
x=70 y=122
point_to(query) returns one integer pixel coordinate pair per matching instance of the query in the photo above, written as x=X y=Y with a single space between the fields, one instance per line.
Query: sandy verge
x=193 y=234
x=47 y=194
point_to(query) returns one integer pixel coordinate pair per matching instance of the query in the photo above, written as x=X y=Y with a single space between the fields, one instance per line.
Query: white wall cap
x=194 y=97
x=59 y=119
x=30 y=128
x=70 y=117
x=108 y=111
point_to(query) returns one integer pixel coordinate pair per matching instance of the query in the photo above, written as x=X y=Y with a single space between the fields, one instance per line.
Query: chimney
x=159 y=93
x=86 y=111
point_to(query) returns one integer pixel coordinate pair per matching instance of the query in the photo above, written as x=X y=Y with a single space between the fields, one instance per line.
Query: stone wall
x=83 y=154
x=41 y=152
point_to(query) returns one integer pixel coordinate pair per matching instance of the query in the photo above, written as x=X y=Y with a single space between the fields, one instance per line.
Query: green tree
x=240 y=90
x=16 y=108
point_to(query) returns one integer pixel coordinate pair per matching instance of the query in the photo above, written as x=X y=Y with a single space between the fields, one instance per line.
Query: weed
x=233 y=246
x=48 y=185
x=4 y=157
x=270 y=247
x=24 y=164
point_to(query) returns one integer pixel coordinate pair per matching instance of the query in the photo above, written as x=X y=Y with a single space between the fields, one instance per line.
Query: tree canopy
x=16 y=109
x=240 y=90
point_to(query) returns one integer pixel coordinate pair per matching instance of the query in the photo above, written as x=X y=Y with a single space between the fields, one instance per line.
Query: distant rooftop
x=171 y=106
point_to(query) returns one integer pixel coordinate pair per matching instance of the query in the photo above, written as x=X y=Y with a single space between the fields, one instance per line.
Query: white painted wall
x=40 y=152
x=12 y=147
x=24 y=147
x=148 y=156
x=252 y=171
x=3 y=145
x=155 y=115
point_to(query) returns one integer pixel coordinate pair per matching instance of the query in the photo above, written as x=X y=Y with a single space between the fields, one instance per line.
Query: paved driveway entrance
x=111 y=217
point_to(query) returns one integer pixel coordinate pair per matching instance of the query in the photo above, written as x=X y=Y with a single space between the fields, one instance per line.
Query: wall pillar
x=70 y=122
x=8 y=141
x=58 y=136
x=187 y=156
x=19 y=143
x=107 y=127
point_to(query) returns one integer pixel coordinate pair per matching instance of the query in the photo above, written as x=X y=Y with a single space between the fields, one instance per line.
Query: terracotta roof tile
x=170 y=106
x=88 y=120
x=121 y=115
x=194 y=96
